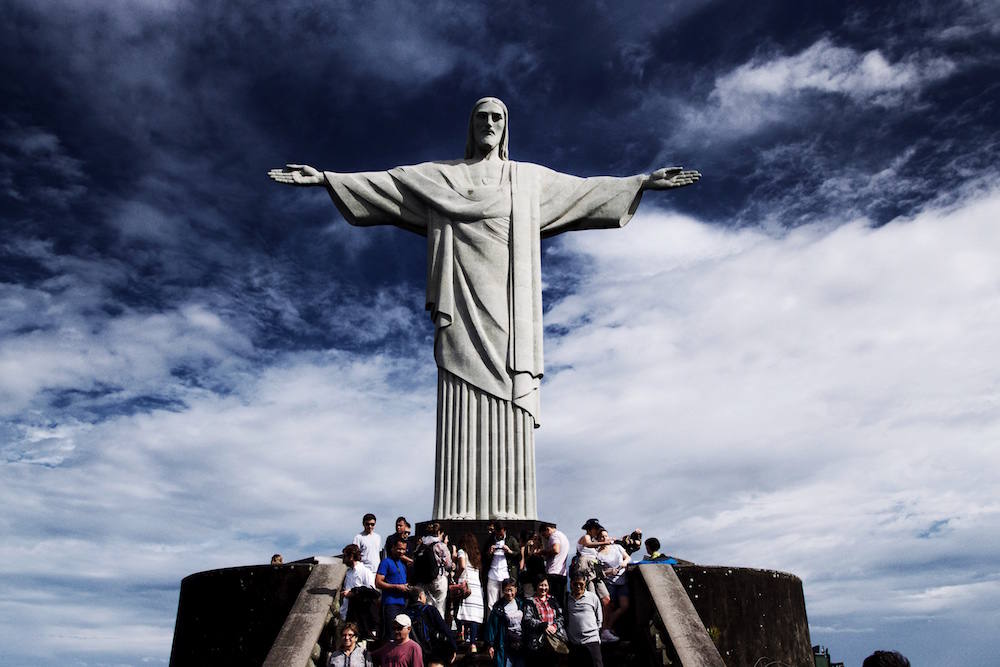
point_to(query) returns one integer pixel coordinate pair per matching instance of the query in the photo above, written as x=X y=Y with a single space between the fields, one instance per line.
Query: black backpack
x=432 y=640
x=425 y=564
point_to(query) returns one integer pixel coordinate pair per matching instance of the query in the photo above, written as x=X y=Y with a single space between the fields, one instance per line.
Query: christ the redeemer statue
x=484 y=217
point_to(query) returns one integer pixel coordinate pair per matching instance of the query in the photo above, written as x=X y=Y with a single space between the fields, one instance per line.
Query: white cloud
x=129 y=355
x=280 y=464
x=822 y=401
x=766 y=90
x=753 y=399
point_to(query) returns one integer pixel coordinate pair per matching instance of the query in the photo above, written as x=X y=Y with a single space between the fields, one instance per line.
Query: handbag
x=459 y=591
x=557 y=644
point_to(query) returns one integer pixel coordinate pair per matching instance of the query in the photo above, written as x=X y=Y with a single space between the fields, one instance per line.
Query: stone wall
x=232 y=616
x=751 y=614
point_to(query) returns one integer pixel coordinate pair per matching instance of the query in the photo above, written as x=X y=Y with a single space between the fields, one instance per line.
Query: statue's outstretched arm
x=298 y=174
x=670 y=177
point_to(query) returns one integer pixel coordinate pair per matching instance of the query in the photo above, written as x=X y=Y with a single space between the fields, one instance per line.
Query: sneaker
x=607 y=636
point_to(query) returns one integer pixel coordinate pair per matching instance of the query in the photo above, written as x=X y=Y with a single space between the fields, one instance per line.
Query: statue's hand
x=297 y=174
x=671 y=177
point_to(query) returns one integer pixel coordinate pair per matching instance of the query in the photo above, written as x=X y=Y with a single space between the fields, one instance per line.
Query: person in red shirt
x=401 y=651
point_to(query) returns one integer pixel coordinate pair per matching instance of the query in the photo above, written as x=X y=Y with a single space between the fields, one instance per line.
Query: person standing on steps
x=556 y=553
x=503 y=629
x=400 y=650
x=391 y=580
x=369 y=542
x=584 y=618
x=504 y=555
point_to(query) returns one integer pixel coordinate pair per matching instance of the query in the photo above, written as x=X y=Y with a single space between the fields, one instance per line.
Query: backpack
x=418 y=627
x=425 y=564
x=586 y=566
x=431 y=640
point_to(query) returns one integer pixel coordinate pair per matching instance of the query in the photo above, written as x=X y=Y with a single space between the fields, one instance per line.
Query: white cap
x=402 y=620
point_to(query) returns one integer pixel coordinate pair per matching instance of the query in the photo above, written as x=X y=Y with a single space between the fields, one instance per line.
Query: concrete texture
x=296 y=643
x=687 y=633
x=232 y=616
x=751 y=614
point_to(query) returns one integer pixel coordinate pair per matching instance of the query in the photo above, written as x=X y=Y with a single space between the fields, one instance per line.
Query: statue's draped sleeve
x=570 y=203
x=377 y=198
x=546 y=203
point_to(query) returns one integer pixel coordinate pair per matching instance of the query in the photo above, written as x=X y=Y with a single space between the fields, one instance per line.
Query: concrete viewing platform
x=689 y=615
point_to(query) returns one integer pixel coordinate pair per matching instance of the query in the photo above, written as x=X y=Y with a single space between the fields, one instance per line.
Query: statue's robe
x=484 y=294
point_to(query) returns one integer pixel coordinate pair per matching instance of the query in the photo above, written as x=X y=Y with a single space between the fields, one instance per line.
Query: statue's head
x=487 y=129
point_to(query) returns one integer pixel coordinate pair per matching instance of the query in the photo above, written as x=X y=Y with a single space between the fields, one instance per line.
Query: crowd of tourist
x=523 y=599
x=410 y=601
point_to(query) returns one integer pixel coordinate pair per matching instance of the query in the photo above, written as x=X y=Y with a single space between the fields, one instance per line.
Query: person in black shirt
x=402 y=533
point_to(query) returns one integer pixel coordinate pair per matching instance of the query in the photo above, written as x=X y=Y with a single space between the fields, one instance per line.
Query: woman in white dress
x=470 y=612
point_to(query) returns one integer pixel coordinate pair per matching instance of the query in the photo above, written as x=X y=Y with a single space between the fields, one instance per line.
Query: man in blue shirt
x=391 y=580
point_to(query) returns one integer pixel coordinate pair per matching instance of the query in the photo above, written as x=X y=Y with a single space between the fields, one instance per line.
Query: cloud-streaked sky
x=791 y=365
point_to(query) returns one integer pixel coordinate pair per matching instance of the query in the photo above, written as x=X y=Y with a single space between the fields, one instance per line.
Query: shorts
x=618 y=591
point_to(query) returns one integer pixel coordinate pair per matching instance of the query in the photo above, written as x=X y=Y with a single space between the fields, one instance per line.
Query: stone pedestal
x=754 y=617
x=236 y=616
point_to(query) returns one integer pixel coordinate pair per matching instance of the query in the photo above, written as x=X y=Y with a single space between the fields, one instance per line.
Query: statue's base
x=456 y=528
x=235 y=615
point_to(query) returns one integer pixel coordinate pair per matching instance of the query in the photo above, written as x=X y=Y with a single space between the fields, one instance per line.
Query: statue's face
x=488 y=124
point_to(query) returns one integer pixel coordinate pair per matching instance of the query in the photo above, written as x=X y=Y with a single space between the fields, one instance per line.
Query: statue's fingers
x=294 y=167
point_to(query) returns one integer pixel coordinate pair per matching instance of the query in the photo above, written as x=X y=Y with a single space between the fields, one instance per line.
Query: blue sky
x=791 y=365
